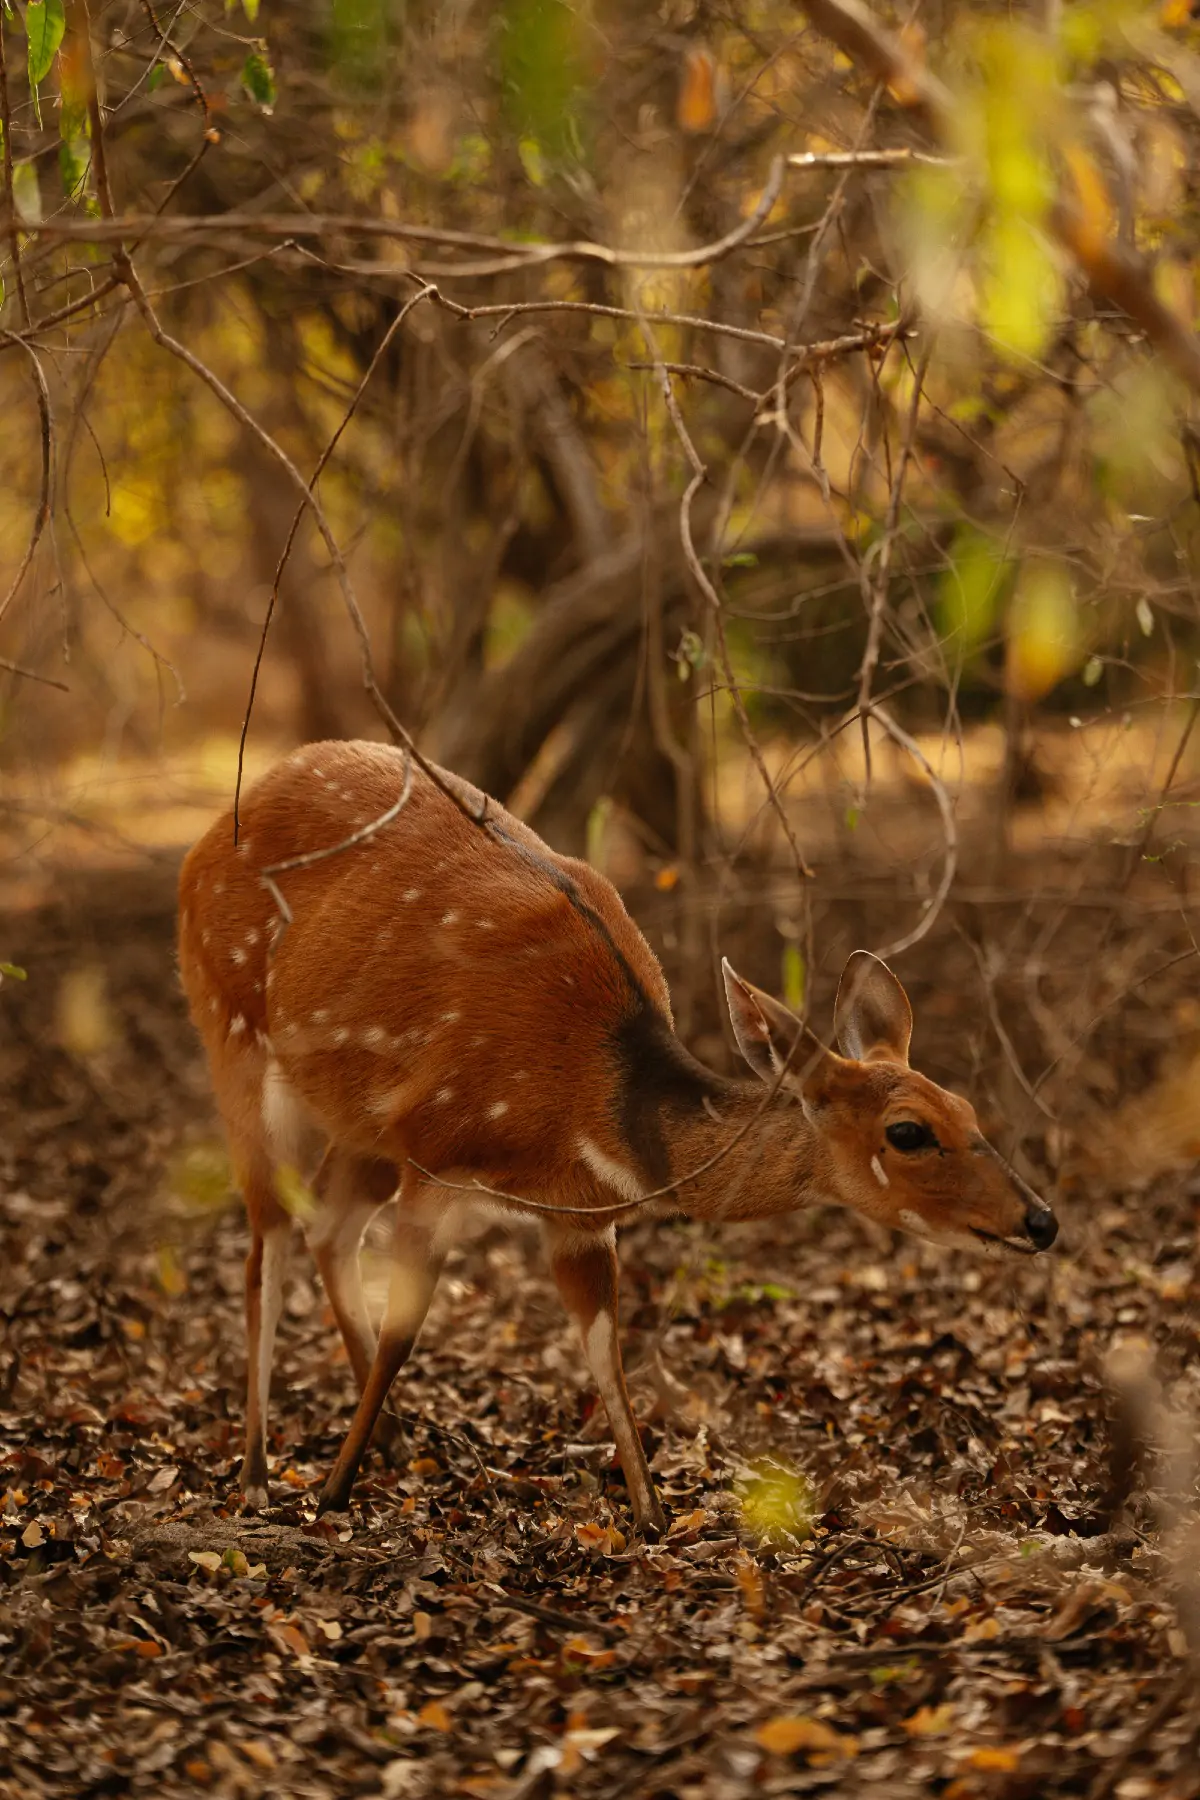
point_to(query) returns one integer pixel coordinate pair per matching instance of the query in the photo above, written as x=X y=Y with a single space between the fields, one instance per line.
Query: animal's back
x=445 y=991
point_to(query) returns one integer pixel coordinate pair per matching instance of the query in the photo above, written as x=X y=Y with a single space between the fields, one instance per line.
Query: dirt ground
x=916 y=1547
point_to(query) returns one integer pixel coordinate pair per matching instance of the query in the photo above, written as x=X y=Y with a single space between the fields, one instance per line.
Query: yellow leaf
x=992 y=1757
x=205 y=1559
x=930 y=1721
x=425 y=1465
x=666 y=879
x=1044 y=639
x=434 y=1715
x=904 y=82
x=171 y=1277
x=697 y=106
x=1096 y=221
x=692 y=1521
x=422 y=1626
x=787 y=1733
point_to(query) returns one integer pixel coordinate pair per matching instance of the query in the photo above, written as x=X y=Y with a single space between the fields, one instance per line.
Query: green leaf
x=258 y=79
x=73 y=160
x=969 y=592
x=45 y=24
x=250 y=8
x=156 y=77
x=793 y=977
x=27 y=195
x=543 y=73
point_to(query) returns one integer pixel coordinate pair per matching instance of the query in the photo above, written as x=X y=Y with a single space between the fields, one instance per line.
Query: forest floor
x=909 y=1553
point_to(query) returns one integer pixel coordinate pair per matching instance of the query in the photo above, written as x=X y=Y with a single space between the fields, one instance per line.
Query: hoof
x=331 y=1501
x=388 y=1439
x=255 y=1497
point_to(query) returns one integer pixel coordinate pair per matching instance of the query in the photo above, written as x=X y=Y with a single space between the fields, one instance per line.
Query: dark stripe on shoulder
x=657 y=1074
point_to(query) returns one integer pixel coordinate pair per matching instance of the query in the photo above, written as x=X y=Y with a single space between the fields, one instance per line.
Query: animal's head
x=896 y=1146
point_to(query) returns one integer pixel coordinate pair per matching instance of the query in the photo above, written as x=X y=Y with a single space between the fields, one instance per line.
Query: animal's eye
x=906 y=1134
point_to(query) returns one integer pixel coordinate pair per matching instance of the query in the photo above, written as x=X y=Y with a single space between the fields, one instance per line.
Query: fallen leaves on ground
x=888 y=1565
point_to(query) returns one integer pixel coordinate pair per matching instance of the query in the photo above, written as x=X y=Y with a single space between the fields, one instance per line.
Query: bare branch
x=42 y=515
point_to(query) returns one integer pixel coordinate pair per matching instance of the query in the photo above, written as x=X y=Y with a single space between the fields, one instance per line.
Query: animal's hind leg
x=265 y=1268
x=351 y=1189
x=425 y=1225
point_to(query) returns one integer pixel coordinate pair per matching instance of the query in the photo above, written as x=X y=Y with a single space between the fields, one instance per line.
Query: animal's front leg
x=585 y=1267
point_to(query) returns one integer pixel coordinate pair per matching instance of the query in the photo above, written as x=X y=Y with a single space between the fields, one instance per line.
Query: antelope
x=391 y=970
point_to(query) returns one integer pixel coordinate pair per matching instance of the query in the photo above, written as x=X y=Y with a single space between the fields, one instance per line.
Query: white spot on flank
x=449 y=918
x=319 y=1017
x=319 y=773
x=607 y=1169
x=879 y=1172
x=214 y=1005
x=410 y=894
x=444 y=1094
x=218 y=887
x=373 y=1037
x=270 y=977
x=449 y=1017
x=340 y=1035
x=521 y=1075
x=486 y=924
x=498 y=1110
x=237 y=1025
x=237 y=955
x=478 y=1039
x=264 y=1042
x=206 y=937
x=252 y=936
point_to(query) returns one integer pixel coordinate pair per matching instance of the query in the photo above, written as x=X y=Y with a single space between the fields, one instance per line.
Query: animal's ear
x=767 y=1033
x=872 y=1016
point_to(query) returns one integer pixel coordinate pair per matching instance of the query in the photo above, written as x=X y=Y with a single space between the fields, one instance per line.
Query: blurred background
x=780 y=487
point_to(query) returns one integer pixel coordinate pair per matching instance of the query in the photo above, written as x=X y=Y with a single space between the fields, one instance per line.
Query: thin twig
x=322 y=460
x=32 y=675
x=42 y=515
x=866 y=159
x=709 y=592
x=10 y=203
x=142 y=226
x=949 y=827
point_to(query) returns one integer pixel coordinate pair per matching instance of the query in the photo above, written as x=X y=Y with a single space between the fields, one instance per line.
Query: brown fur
x=453 y=1000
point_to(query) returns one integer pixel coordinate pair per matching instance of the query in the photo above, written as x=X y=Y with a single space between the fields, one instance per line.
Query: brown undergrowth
x=911 y=1552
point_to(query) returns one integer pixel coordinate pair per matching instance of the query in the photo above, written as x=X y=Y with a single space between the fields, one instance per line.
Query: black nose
x=1041 y=1225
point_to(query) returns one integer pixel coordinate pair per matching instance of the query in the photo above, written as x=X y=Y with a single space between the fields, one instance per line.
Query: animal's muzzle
x=1041 y=1225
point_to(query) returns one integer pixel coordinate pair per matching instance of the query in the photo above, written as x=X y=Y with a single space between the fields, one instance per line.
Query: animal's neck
x=776 y=1165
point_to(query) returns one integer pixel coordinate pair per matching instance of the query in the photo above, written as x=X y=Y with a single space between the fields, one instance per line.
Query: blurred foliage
x=1049 y=481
